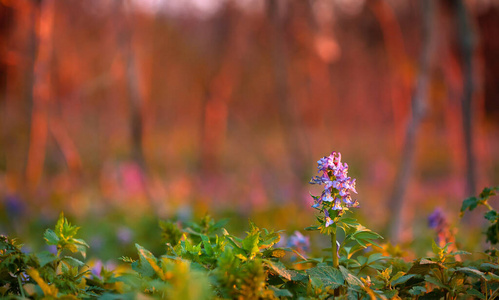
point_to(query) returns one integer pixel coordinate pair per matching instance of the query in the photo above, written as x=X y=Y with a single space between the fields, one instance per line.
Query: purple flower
x=337 y=184
x=124 y=235
x=97 y=268
x=299 y=241
x=328 y=219
x=437 y=218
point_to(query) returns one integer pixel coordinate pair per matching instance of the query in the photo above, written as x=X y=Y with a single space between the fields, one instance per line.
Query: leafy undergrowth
x=204 y=261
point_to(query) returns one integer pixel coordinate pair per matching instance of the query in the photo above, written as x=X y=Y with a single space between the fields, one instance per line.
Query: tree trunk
x=397 y=201
x=466 y=44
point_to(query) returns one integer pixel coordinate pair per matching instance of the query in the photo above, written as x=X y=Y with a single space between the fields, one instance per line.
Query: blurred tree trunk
x=294 y=138
x=220 y=89
x=132 y=78
x=401 y=77
x=41 y=91
x=397 y=201
x=466 y=43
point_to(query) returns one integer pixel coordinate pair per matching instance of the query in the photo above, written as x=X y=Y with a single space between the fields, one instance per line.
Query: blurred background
x=120 y=112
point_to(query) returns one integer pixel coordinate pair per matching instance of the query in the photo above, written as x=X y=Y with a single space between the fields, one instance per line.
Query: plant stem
x=334 y=247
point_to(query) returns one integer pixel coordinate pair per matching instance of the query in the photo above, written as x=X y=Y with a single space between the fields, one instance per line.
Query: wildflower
x=439 y=222
x=124 y=235
x=97 y=268
x=299 y=241
x=328 y=219
x=337 y=186
x=437 y=219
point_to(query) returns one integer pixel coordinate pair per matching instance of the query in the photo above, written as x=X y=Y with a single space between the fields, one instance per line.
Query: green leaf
x=460 y=252
x=147 y=258
x=488 y=192
x=279 y=268
x=401 y=279
x=45 y=258
x=436 y=250
x=270 y=240
x=375 y=257
x=435 y=281
x=491 y=215
x=470 y=203
x=250 y=243
x=417 y=290
x=327 y=276
x=475 y=293
x=312 y=228
x=471 y=271
x=488 y=266
x=390 y=293
x=73 y=261
x=351 y=279
x=362 y=260
x=219 y=224
x=422 y=266
x=280 y=292
x=50 y=237
x=207 y=245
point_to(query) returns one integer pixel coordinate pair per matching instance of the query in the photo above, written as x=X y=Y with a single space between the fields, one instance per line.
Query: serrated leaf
x=327 y=276
x=284 y=272
x=270 y=240
x=351 y=279
x=50 y=237
x=436 y=250
x=460 y=252
x=278 y=253
x=146 y=256
x=250 y=243
x=73 y=261
x=471 y=271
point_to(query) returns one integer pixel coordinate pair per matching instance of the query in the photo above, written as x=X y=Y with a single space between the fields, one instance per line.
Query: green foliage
x=491 y=215
x=63 y=237
x=204 y=261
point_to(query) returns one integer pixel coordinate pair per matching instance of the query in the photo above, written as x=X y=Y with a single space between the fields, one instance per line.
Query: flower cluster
x=337 y=186
x=300 y=242
x=439 y=222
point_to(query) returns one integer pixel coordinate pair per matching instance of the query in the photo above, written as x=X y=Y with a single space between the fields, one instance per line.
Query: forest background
x=122 y=112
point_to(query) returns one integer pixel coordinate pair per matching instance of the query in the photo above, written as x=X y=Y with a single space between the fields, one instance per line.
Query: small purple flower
x=437 y=218
x=124 y=235
x=299 y=241
x=328 y=219
x=97 y=268
x=337 y=186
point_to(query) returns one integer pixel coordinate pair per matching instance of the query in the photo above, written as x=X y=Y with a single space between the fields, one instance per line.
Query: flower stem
x=334 y=247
